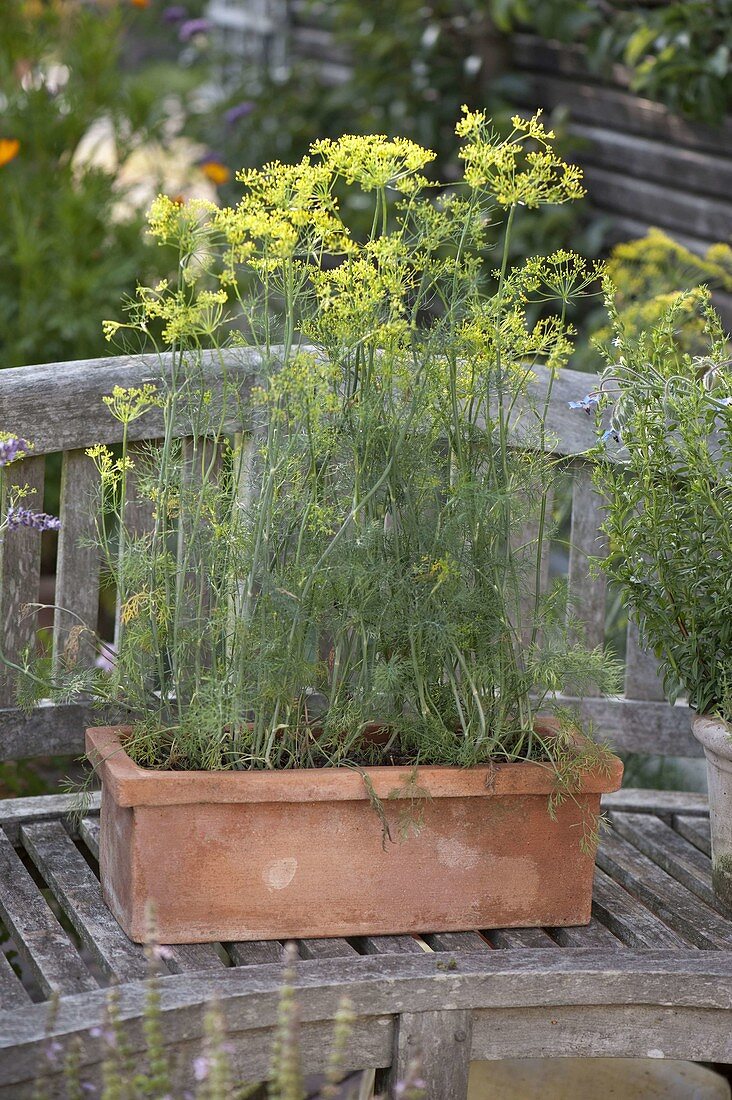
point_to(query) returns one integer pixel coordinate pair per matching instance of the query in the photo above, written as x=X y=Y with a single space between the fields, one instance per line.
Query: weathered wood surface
x=77 y=565
x=640 y=725
x=39 y=938
x=662 y=803
x=12 y=993
x=627 y=918
x=59 y=406
x=77 y=889
x=586 y=591
x=434 y=1047
x=45 y=730
x=642 y=680
x=695 y=830
x=20 y=566
x=600 y=983
x=15 y=812
x=669 y=851
x=663 y=895
x=626 y=979
x=612 y=106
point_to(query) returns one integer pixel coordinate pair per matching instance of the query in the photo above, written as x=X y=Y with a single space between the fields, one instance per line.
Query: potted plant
x=331 y=639
x=664 y=408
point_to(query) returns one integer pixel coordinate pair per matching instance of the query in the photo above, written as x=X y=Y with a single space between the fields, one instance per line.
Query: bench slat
x=586 y=594
x=594 y=934
x=77 y=568
x=15 y=812
x=642 y=680
x=668 y=899
x=457 y=941
x=520 y=938
x=663 y=804
x=255 y=952
x=327 y=948
x=389 y=945
x=664 y=846
x=78 y=892
x=434 y=1046
x=181 y=958
x=40 y=940
x=627 y=919
x=12 y=993
x=695 y=830
x=20 y=567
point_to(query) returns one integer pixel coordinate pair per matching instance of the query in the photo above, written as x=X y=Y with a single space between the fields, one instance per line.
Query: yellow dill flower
x=521 y=170
x=128 y=404
x=374 y=160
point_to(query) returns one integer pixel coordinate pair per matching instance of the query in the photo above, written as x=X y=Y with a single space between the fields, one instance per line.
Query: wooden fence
x=59 y=408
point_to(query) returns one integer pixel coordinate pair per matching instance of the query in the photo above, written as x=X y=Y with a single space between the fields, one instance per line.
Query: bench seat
x=651 y=976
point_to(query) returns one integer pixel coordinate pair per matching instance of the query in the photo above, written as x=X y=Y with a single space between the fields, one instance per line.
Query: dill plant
x=354 y=579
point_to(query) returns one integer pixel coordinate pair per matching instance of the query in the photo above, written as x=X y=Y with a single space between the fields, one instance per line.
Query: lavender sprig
x=12 y=449
x=24 y=517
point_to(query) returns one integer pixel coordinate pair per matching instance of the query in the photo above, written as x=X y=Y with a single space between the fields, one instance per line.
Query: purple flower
x=723 y=401
x=192 y=27
x=587 y=404
x=24 y=517
x=106 y=1034
x=239 y=110
x=160 y=951
x=53 y=1052
x=176 y=13
x=201 y=1067
x=13 y=448
x=107 y=659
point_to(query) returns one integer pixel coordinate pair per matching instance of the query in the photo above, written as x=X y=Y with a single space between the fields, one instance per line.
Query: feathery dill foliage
x=361 y=559
x=669 y=494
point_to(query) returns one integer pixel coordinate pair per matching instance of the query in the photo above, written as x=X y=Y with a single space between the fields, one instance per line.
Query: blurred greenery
x=676 y=53
x=71 y=242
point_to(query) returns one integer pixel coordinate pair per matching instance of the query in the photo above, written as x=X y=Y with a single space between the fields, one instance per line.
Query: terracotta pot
x=716 y=736
x=277 y=854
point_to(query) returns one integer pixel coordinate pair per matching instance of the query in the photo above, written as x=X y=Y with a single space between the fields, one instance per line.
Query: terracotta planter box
x=273 y=855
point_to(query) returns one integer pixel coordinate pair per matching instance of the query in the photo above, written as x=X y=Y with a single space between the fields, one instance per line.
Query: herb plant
x=664 y=470
x=354 y=580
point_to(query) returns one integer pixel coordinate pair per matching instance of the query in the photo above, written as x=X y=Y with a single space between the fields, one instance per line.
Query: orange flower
x=140 y=3
x=215 y=171
x=9 y=149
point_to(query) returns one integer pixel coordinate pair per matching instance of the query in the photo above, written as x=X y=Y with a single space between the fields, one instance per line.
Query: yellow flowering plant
x=360 y=556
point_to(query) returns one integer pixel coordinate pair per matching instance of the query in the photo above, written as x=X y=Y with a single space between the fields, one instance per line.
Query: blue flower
x=587 y=404
x=13 y=448
x=175 y=13
x=24 y=517
x=239 y=110
x=610 y=433
x=193 y=27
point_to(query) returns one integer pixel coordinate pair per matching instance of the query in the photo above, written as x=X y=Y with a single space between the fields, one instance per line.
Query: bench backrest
x=59 y=408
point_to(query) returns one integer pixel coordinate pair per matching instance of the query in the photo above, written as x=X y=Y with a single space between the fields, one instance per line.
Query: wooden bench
x=650 y=976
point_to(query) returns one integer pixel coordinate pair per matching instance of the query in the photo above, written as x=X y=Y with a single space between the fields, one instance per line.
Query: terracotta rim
x=131 y=785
